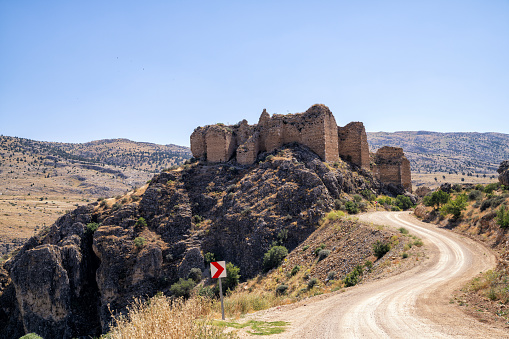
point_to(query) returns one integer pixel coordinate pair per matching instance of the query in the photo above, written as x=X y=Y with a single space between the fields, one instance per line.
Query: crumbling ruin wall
x=393 y=167
x=316 y=128
x=353 y=144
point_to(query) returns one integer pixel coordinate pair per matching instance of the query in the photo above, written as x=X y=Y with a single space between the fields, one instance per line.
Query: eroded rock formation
x=503 y=171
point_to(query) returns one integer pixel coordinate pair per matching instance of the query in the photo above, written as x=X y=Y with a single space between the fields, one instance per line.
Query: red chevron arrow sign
x=218 y=269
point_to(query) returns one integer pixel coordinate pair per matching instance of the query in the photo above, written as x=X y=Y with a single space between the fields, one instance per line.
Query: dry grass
x=493 y=285
x=161 y=317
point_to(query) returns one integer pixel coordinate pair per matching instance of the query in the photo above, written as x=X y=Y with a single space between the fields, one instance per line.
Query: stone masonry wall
x=316 y=128
x=393 y=167
x=353 y=144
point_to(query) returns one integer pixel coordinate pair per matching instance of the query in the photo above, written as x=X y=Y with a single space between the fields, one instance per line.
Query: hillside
x=460 y=153
x=94 y=259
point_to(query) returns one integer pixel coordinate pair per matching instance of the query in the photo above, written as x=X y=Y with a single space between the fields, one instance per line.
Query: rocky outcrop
x=503 y=171
x=67 y=281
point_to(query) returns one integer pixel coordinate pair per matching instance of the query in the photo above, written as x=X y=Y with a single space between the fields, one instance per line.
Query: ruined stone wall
x=220 y=143
x=198 y=145
x=393 y=167
x=353 y=144
x=316 y=128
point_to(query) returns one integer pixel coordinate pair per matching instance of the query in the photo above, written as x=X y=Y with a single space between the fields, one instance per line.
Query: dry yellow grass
x=161 y=317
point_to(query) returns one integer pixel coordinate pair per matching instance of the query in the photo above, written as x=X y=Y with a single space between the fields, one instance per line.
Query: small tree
x=232 y=277
x=503 y=217
x=456 y=206
x=380 y=249
x=273 y=257
x=182 y=288
x=403 y=202
x=436 y=199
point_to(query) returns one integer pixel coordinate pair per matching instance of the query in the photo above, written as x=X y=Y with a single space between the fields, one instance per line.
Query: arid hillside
x=459 y=153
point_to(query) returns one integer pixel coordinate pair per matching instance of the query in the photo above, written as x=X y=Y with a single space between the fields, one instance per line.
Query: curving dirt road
x=413 y=304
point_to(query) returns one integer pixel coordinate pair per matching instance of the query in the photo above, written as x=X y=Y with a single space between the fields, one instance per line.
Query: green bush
x=140 y=242
x=319 y=248
x=331 y=275
x=183 y=288
x=403 y=230
x=232 y=277
x=395 y=209
x=281 y=289
x=140 y=223
x=368 y=195
x=92 y=227
x=354 y=277
x=456 y=206
x=369 y=265
x=197 y=219
x=474 y=195
x=357 y=197
x=195 y=274
x=31 y=336
x=351 y=207
x=323 y=254
x=503 y=217
x=209 y=257
x=404 y=255
x=380 y=249
x=295 y=270
x=436 y=199
x=312 y=282
x=491 y=187
x=273 y=257
x=404 y=202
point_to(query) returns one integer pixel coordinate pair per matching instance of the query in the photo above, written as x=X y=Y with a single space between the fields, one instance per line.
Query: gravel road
x=413 y=304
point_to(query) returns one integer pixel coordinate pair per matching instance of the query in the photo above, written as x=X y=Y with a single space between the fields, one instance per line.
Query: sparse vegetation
x=274 y=257
x=140 y=242
x=380 y=249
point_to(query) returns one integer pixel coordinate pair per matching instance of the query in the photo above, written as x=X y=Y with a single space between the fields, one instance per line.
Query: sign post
x=218 y=271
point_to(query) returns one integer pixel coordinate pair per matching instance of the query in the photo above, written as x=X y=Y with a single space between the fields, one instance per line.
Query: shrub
x=474 y=195
x=418 y=243
x=195 y=274
x=503 y=217
x=405 y=255
x=312 y=282
x=491 y=187
x=232 y=277
x=323 y=254
x=456 y=206
x=116 y=206
x=436 y=199
x=269 y=158
x=140 y=242
x=457 y=188
x=209 y=257
x=403 y=202
x=31 y=336
x=395 y=209
x=141 y=223
x=197 y=219
x=319 y=248
x=351 y=207
x=403 y=230
x=338 y=205
x=305 y=248
x=357 y=197
x=273 y=257
x=368 y=195
x=295 y=270
x=354 y=277
x=92 y=227
x=183 y=288
x=331 y=275
x=334 y=215
x=369 y=265
x=380 y=249
x=281 y=289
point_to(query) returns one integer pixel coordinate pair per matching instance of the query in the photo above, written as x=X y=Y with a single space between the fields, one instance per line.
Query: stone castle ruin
x=316 y=128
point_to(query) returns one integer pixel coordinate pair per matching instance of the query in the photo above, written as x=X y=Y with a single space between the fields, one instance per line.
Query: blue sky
x=154 y=70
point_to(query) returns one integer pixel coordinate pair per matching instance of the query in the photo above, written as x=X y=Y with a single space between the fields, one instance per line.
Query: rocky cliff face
x=66 y=281
x=503 y=171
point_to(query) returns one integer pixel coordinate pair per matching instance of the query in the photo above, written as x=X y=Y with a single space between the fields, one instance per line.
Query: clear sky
x=76 y=71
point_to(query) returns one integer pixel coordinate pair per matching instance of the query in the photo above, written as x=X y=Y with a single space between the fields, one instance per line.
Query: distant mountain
x=431 y=152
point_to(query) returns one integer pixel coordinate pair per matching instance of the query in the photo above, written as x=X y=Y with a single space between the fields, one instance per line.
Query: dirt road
x=413 y=304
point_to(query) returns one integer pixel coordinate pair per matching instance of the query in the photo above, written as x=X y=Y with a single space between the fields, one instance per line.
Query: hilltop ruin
x=316 y=128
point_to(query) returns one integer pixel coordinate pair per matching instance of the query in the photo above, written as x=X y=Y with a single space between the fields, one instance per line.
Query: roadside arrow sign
x=218 y=269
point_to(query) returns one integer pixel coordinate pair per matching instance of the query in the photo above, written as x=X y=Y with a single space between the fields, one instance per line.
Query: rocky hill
x=434 y=152
x=97 y=168
x=67 y=280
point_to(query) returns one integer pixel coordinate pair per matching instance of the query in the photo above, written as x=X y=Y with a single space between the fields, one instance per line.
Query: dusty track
x=414 y=304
